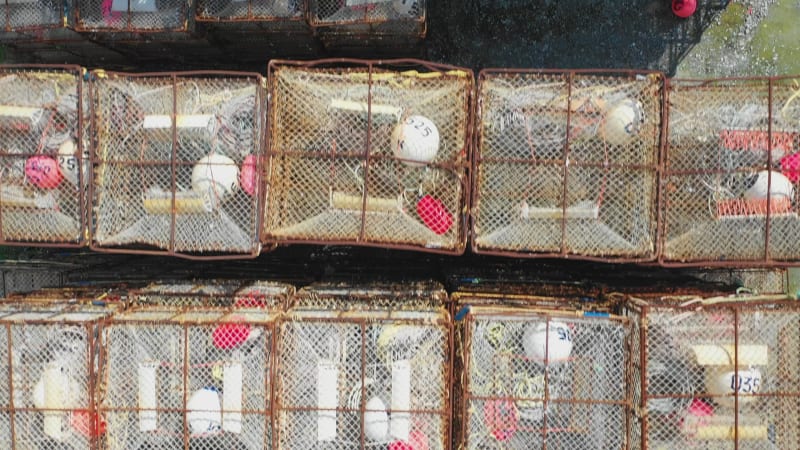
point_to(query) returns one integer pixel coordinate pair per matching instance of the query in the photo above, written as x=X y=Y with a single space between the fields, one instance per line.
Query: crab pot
x=363 y=367
x=729 y=189
x=566 y=164
x=539 y=372
x=269 y=17
x=43 y=156
x=25 y=19
x=189 y=376
x=170 y=19
x=48 y=355
x=189 y=186
x=368 y=24
x=18 y=277
x=368 y=153
x=715 y=372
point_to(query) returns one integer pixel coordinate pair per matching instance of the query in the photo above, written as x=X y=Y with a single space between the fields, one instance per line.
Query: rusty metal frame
x=257 y=199
x=765 y=262
x=91 y=357
x=461 y=170
x=569 y=76
x=174 y=320
x=63 y=5
x=343 y=318
x=638 y=310
x=497 y=304
x=343 y=301
x=82 y=190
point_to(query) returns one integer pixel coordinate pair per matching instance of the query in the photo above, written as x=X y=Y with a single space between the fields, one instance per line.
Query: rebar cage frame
x=169 y=416
x=722 y=134
x=520 y=410
x=44 y=200
x=391 y=391
x=564 y=158
x=718 y=372
x=49 y=356
x=358 y=191
x=224 y=196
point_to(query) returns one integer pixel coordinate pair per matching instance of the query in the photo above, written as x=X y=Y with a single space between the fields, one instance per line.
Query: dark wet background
x=631 y=34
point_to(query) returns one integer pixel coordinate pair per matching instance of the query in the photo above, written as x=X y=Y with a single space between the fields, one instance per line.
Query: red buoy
x=684 y=8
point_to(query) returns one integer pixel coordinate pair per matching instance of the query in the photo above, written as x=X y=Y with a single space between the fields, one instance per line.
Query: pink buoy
x=247 y=176
x=230 y=335
x=790 y=167
x=684 y=8
x=43 y=172
x=434 y=214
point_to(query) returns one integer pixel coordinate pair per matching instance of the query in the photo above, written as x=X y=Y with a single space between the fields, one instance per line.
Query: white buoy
x=376 y=420
x=416 y=141
x=726 y=382
x=622 y=122
x=204 y=411
x=555 y=345
x=779 y=186
x=216 y=177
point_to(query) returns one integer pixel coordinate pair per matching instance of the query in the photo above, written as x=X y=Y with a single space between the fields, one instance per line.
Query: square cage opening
x=47 y=359
x=365 y=367
x=539 y=372
x=731 y=171
x=187 y=374
x=44 y=159
x=717 y=372
x=368 y=153
x=567 y=164
x=185 y=186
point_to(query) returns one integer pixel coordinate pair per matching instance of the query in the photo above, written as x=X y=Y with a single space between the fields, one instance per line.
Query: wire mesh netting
x=175 y=377
x=43 y=156
x=533 y=378
x=363 y=154
x=366 y=377
x=250 y=10
x=731 y=170
x=342 y=23
x=188 y=185
x=47 y=359
x=566 y=163
x=134 y=15
x=260 y=294
x=21 y=278
x=29 y=15
x=717 y=373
